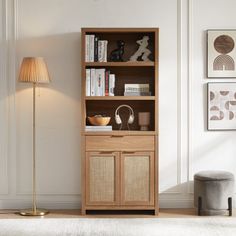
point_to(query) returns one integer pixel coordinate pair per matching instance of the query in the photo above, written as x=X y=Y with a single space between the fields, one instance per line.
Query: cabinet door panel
x=137 y=178
x=102 y=178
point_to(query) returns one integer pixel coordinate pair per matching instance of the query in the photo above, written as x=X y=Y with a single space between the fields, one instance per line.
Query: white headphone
x=118 y=119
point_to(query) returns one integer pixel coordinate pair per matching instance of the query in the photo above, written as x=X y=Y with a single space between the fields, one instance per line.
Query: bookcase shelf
x=120 y=167
x=119 y=64
x=120 y=133
x=111 y=98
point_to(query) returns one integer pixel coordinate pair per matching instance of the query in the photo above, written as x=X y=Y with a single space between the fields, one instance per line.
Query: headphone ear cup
x=131 y=119
x=118 y=119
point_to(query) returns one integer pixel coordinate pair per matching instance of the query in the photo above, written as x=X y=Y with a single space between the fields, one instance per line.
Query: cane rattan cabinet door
x=102 y=178
x=137 y=178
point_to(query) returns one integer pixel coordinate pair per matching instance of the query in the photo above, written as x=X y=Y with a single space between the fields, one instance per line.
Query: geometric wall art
x=221 y=48
x=221 y=106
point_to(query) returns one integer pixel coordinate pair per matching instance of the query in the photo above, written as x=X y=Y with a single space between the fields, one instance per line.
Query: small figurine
x=117 y=54
x=142 y=50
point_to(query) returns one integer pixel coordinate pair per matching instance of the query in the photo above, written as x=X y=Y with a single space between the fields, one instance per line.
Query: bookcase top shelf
x=120 y=30
x=120 y=98
x=121 y=64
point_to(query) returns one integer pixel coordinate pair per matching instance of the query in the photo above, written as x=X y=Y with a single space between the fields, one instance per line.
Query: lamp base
x=31 y=212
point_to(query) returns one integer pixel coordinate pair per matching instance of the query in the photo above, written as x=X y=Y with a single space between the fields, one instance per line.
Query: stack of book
x=98 y=128
x=99 y=82
x=95 y=49
x=137 y=90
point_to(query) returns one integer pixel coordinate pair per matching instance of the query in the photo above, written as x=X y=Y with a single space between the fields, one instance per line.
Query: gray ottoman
x=213 y=192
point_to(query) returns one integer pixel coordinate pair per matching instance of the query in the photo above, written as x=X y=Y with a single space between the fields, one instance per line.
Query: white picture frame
x=221 y=106
x=221 y=53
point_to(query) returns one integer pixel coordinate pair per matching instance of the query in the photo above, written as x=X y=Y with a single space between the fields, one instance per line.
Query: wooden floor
x=164 y=213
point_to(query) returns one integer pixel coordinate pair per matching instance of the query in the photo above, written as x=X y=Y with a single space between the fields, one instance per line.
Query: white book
x=87 y=48
x=98 y=127
x=99 y=130
x=93 y=81
x=88 y=82
x=102 y=50
x=112 y=84
x=91 y=48
x=105 y=42
x=100 y=82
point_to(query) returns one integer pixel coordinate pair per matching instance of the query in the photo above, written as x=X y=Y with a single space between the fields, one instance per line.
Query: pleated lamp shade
x=34 y=70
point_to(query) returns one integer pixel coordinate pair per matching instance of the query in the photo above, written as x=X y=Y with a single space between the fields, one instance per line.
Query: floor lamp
x=34 y=70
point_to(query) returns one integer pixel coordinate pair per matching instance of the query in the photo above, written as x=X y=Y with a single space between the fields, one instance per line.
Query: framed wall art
x=221 y=47
x=221 y=106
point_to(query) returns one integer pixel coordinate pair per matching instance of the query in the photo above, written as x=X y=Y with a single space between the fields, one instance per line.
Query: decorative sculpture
x=142 y=51
x=117 y=54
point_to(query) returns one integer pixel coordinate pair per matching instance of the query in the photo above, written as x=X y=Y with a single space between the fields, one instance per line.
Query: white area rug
x=205 y=226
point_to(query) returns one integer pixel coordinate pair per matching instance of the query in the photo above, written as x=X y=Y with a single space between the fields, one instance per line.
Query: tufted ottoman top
x=213 y=175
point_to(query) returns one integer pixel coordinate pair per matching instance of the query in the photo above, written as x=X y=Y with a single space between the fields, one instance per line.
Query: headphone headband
x=118 y=119
x=124 y=105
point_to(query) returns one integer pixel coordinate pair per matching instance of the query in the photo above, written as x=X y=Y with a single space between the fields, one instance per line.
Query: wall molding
x=190 y=99
x=184 y=98
x=4 y=98
x=179 y=80
x=178 y=101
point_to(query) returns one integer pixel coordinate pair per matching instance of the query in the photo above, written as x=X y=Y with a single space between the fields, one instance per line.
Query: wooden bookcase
x=120 y=167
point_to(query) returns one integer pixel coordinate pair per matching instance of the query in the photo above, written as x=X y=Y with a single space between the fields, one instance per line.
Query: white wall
x=51 y=28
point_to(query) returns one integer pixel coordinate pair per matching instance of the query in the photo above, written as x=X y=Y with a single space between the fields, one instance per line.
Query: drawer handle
x=128 y=152
x=106 y=152
x=117 y=136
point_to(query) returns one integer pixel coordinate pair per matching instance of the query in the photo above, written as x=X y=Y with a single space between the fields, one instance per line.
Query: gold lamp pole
x=34 y=70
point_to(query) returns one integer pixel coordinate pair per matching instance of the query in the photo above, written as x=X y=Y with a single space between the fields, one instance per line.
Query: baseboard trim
x=49 y=204
x=76 y=203
x=176 y=203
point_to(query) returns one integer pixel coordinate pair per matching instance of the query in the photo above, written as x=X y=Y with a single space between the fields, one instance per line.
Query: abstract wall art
x=222 y=106
x=221 y=46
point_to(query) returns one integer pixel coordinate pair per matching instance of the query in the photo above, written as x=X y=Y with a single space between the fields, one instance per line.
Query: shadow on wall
x=178 y=196
x=58 y=115
x=186 y=187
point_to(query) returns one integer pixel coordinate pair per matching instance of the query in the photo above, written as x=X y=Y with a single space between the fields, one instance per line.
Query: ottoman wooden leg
x=199 y=205
x=230 y=205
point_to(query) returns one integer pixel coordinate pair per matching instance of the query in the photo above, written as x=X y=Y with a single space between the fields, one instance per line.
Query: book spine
x=87 y=48
x=91 y=48
x=103 y=71
x=98 y=84
x=96 y=49
x=93 y=80
x=88 y=82
x=100 y=50
x=107 y=73
x=111 y=85
x=105 y=43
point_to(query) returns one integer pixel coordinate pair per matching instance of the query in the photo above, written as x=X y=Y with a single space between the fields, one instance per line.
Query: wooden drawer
x=120 y=143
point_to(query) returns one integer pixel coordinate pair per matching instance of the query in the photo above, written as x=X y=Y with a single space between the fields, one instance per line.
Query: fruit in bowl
x=99 y=120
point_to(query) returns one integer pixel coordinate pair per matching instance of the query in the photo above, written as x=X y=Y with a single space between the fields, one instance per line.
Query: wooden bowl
x=99 y=120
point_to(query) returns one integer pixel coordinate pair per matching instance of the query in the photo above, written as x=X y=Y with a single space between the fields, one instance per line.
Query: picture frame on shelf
x=221 y=53
x=221 y=106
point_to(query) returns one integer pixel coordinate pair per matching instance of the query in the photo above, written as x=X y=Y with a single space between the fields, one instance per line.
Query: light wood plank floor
x=164 y=213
